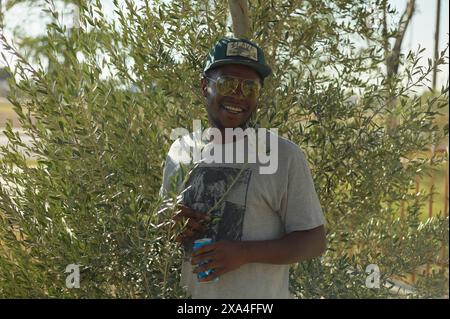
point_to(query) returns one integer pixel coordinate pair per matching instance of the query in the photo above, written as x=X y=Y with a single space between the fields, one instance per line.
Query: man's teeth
x=233 y=109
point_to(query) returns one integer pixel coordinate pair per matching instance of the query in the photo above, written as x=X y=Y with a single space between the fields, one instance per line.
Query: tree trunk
x=240 y=18
x=393 y=59
x=436 y=41
x=385 y=31
x=1 y=16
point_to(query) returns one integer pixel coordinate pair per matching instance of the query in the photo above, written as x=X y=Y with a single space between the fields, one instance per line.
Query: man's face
x=216 y=104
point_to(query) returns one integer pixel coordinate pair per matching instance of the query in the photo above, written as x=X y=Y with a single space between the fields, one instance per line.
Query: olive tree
x=100 y=119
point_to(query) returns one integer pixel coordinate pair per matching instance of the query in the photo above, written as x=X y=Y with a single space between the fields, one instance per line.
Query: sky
x=420 y=31
x=422 y=28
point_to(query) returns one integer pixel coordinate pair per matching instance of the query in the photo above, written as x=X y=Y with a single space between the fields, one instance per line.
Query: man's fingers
x=188 y=233
x=201 y=251
x=184 y=207
x=187 y=212
x=196 y=226
x=178 y=216
x=208 y=257
x=216 y=273
x=179 y=239
x=184 y=236
x=211 y=265
x=182 y=239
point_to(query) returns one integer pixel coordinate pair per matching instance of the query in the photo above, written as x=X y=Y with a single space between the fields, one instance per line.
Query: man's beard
x=216 y=123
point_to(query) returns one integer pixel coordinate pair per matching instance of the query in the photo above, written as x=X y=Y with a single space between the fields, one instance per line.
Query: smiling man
x=227 y=106
x=259 y=223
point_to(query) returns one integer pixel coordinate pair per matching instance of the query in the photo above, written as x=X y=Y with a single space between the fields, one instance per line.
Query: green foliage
x=100 y=106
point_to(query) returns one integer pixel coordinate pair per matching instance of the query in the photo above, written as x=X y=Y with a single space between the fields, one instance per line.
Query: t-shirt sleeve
x=176 y=164
x=300 y=206
x=170 y=169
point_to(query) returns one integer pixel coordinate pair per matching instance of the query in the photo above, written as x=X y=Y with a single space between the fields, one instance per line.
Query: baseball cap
x=237 y=51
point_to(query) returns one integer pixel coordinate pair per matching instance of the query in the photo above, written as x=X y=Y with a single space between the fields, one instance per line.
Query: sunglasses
x=227 y=85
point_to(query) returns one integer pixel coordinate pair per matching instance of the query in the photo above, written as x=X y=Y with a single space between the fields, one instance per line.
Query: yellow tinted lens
x=226 y=85
x=251 y=88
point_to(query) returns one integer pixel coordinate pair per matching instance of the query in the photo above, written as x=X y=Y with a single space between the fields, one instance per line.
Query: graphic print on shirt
x=205 y=188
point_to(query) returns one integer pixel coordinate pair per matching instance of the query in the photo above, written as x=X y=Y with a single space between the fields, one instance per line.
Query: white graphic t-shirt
x=256 y=206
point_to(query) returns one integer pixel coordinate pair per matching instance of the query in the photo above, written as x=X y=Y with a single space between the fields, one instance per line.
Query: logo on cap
x=242 y=49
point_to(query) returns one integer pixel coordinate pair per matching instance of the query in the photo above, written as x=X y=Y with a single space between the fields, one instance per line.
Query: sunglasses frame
x=241 y=81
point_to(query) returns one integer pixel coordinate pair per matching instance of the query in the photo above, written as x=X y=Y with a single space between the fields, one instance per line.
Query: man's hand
x=195 y=223
x=222 y=256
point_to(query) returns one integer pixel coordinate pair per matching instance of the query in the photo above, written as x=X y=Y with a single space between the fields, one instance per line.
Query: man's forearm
x=291 y=248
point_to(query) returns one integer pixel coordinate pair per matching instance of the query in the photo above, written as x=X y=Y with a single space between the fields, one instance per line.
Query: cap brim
x=263 y=70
